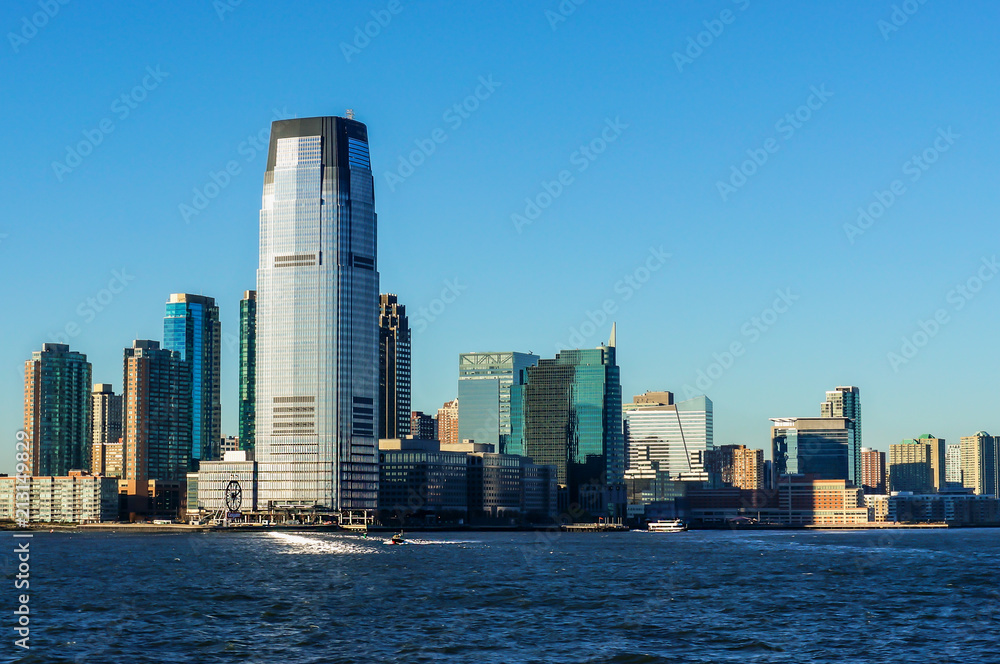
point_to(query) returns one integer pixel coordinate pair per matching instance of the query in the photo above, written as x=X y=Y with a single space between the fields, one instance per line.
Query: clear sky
x=679 y=163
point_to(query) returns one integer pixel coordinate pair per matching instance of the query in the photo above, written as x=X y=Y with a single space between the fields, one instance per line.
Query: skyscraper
x=736 y=466
x=910 y=467
x=57 y=410
x=191 y=327
x=569 y=415
x=157 y=420
x=845 y=402
x=953 y=464
x=317 y=319
x=981 y=463
x=873 y=471
x=447 y=423
x=678 y=436
x=484 y=382
x=248 y=368
x=422 y=426
x=394 y=368
x=821 y=446
x=106 y=431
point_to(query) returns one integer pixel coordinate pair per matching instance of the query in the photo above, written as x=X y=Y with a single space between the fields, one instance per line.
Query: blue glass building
x=191 y=328
x=484 y=406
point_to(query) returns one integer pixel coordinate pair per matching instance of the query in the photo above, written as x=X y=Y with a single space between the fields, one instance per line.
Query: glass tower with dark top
x=191 y=328
x=317 y=319
x=248 y=368
x=394 y=368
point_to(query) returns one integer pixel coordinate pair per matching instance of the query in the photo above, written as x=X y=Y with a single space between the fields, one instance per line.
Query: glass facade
x=484 y=382
x=248 y=368
x=57 y=414
x=191 y=327
x=824 y=447
x=569 y=415
x=676 y=436
x=317 y=319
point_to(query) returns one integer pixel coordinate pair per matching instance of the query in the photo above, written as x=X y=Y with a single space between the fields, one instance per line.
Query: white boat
x=666 y=526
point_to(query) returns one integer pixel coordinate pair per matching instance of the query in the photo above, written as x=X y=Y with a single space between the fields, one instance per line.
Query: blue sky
x=618 y=124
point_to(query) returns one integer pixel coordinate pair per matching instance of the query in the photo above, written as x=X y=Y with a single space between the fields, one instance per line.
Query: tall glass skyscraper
x=248 y=368
x=317 y=319
x=484 y=382
x=57 y=410
x=394 y=368
x=569 y=414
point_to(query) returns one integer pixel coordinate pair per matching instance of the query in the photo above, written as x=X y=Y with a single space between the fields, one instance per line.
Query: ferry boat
x=666 y=526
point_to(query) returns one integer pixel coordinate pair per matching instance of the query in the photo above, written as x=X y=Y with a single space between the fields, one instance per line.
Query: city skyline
x=105 y=289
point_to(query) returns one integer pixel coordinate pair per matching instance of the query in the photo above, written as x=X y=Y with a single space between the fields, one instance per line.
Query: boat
x=666 y=526
x=397 y=539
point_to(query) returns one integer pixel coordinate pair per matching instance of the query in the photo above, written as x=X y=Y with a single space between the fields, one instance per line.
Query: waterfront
x=790 y=596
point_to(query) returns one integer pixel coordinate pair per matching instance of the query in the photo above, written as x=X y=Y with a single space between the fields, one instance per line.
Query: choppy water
x=520 y=597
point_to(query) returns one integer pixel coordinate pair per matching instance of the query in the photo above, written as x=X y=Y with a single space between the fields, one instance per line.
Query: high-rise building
x=981 y=463
x=953 y=464
x=678 y=436
x=106 y=430
x=736 y=466
x=820 y=446
x=423 y=426
x=568 y=414
x=873 y=471
x=484 y=382
x=393 y=368
x=910 y=467
x=157 y=420
x=57 y=413
x=191 y=327
x=845 y=401
x=447 y=423
x=317 y=319
x=248 y=368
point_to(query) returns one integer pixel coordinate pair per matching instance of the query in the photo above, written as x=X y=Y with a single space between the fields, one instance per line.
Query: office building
x=75 y=498
x=317 y=320
x=917 y=465
x=980 y=455
x=953 y=464
x=568 y=414
x=677 y=436
x=393 y=368
x=735 y=466
x=845 y=401
x=820 y=446
x=57 y=410
x=106 y=430
x=423 y=426
x=248 y=368
x=484 y=382
x=874 y=476
x=214 y=476
x=191 y=327
x=157 y=420
x=447 y=423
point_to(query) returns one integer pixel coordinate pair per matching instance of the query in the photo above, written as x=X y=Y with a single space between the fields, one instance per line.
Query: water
x=920 y=596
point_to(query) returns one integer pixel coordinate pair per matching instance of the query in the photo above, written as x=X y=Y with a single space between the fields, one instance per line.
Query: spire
x=611 y=341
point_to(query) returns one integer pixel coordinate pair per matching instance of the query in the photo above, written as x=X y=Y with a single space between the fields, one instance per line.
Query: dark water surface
x=802 y=597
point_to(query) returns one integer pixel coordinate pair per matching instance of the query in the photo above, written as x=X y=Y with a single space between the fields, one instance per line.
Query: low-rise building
x=76 y=498
x=215 y=476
